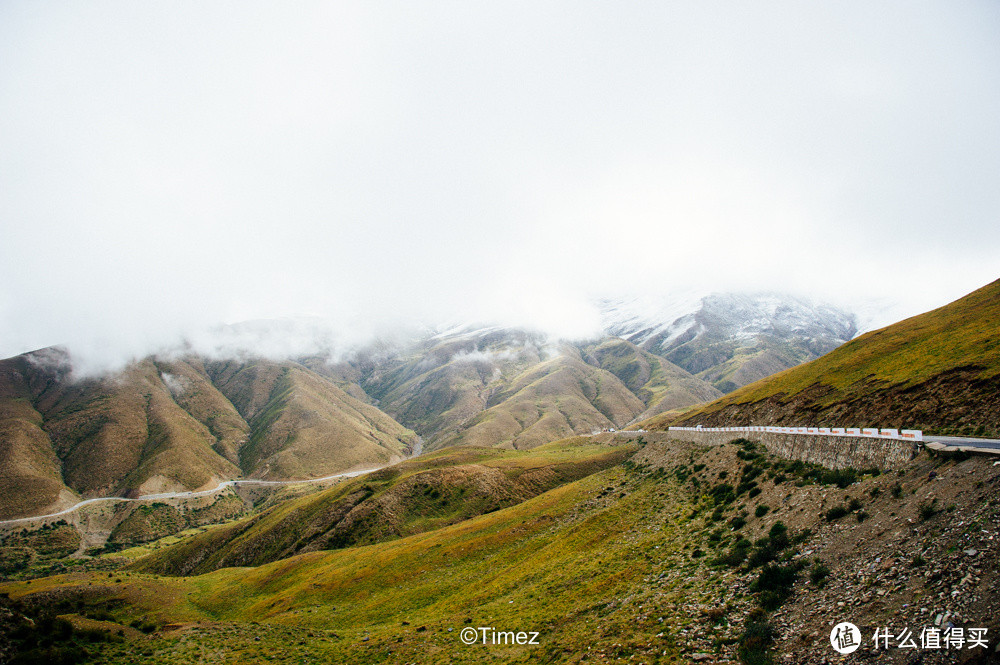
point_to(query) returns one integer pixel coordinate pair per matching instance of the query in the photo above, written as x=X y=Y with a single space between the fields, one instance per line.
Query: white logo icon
x=845 y=638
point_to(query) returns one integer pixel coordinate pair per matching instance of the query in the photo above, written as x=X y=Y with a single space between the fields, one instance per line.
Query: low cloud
x=168 y=174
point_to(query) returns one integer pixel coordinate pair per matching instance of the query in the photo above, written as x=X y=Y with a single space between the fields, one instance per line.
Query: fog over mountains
x=282 y=399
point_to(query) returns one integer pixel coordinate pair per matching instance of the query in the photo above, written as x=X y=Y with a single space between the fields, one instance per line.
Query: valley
x=246 y=521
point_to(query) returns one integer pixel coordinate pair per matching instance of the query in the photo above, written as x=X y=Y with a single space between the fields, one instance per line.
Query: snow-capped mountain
x=730 y=339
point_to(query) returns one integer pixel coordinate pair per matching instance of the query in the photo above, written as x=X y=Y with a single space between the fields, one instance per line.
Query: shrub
x=736 y=555
x=818 y=573
x=918 y=561
x=761 y=510
x=757 y=638
x=722 y=494
x=835 y=513
x=861 y=515
x=774 y=584
x=896 y=491
x=737 y=522
x=854 y=504
x=754 y=491
x=778 y=535
x=927 y=509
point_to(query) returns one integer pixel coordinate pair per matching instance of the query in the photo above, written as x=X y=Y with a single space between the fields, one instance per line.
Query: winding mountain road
x=189 y=495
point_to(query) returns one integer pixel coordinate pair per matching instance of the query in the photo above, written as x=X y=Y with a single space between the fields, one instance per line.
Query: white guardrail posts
x=870 y=432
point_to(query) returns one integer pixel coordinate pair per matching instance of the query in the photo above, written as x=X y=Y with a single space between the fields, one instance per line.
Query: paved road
x=189 y=495
x=964 y=441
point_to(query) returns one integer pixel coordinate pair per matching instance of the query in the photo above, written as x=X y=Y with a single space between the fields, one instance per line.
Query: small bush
x=896 y=491
x=757 y=638
x=761 y=510
x=754 y=491
x=818 y=573
x=927 y=509
x=861 y=516
x=918 y=561
x=774 y=584
x=736 y=555
x=835 y=513
x=722 y=494
x=737 y=522
x=854 y=504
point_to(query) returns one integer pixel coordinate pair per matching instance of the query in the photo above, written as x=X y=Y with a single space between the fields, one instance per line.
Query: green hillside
x=419 y=495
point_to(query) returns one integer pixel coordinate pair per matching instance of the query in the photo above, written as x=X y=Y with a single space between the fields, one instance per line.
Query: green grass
x=574 y=564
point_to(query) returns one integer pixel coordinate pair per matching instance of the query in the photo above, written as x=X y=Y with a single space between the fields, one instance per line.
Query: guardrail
x=871 y=432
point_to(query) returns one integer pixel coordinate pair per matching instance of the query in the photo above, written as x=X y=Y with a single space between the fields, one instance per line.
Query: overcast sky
x=168 y=166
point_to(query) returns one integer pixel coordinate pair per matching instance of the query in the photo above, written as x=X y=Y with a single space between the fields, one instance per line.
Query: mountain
x=730 y=339
x=175 y=425
x=185 y=421
x=513 y=388
x=939 y=371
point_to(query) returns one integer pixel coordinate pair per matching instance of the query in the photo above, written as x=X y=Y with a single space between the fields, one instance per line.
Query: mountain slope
x=510 y=387
x=659 y=383
x=412 y=497
x=936 y=371
x=311 y=428
x=553 y=400
x=163 y=425
x=731 y=339
x=30 y=471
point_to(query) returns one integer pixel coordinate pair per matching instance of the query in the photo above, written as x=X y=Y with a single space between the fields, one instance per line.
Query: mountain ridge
x=938 y=371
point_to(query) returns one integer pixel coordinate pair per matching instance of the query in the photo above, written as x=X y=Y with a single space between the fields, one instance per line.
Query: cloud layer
x=164 y=169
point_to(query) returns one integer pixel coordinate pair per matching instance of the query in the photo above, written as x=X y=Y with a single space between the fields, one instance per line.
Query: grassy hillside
x=938 y=370
x=416 y=496
x=311 y=428
x=683 y=554
x=660 y=384
x=30 y=470
x=554 y=399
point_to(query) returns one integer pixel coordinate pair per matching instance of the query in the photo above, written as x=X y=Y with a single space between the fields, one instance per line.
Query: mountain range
x=188 y=421
x=608 y=547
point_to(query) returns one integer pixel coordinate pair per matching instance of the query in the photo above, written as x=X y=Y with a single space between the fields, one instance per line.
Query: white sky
x=168 y=166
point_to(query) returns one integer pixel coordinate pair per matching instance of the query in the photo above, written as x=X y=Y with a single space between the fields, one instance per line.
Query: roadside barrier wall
x=834 y=448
